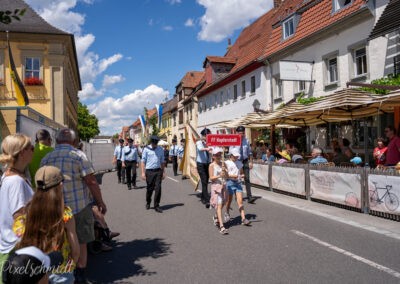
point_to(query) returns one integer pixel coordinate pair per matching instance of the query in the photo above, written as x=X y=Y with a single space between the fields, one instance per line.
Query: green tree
x=88 y=124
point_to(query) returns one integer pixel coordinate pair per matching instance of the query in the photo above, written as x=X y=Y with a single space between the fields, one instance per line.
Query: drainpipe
x=273 y=138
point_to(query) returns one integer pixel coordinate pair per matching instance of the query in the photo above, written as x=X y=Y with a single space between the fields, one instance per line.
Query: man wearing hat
x=246 y=157
x=153 y=164
x=117 y=158
x=203 y=160
x=173 y=156
x=129 y=160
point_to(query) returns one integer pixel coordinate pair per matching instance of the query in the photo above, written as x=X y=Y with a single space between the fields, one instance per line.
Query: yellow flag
x=20 y=92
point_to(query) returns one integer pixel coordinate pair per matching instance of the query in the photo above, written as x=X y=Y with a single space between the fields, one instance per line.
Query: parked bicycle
x=391 y=200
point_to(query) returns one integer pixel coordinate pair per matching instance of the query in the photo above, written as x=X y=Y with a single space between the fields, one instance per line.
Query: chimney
x=277 y=3
x=229 y=44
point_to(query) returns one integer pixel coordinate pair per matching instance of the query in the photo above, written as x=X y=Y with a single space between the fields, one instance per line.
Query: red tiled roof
x=313 y=20
x=136 y=123
x=192 y=79
x=125 y=128
x=151 y=112
x=220 y=59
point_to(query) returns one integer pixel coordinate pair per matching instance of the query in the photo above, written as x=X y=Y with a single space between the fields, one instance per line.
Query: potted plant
x=33 y=81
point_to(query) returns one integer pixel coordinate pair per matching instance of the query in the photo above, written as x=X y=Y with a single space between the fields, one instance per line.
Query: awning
x=342 y=105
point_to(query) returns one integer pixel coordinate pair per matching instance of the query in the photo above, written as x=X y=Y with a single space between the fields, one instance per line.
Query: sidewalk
x=375 y=224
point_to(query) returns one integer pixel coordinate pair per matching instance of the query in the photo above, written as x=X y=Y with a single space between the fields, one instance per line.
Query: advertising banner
x=295 y=70
x=341 y=188
x=224 y=140
x=259 y=174
x=383 y=193
x=289 y=179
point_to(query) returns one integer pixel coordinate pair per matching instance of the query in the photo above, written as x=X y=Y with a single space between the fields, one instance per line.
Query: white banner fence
x=365 y=190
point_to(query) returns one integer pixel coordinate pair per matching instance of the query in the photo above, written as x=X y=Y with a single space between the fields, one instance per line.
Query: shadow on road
x=123 y=261
x=170 y=206
x=237 y=221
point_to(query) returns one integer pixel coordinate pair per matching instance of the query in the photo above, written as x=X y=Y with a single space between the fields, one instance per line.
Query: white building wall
x=216 y=113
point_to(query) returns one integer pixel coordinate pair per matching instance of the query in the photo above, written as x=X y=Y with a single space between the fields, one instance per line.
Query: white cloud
x=58 y=13
x=111 y=80
x=189 y=23
x=89 y=91
x=223 y=17
x=167 y=28
x=173 y=2
x=113 y=113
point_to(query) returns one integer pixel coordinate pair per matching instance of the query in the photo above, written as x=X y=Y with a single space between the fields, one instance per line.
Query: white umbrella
x=163 y=143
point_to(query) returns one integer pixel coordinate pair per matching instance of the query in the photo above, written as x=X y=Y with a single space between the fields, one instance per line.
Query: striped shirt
x=74 y=164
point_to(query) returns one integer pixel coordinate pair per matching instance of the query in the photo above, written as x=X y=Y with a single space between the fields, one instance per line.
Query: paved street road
x=284 y=245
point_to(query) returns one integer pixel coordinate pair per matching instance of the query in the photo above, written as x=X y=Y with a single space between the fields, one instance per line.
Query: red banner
x=224 y=140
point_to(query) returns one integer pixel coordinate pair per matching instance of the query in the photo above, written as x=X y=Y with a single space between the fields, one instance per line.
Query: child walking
x=233 y=184
x=218 y=191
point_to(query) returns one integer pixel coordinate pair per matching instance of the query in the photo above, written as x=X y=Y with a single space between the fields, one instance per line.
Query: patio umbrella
x=163 y=143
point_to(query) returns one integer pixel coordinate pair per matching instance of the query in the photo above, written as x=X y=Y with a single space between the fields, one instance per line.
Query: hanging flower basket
x=33 y=81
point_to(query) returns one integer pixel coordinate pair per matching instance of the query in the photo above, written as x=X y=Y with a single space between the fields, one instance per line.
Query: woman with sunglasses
x=16 y=190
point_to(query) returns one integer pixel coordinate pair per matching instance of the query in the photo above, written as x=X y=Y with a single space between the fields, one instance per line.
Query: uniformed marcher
x=203 y=160
x=173 y=156
x=152 y=167
x=246 y=157
x=130 y=160
x=117 y=158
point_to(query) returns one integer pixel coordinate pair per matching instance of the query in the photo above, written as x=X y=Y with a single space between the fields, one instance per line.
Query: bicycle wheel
x=391 y=201
x=373 y=198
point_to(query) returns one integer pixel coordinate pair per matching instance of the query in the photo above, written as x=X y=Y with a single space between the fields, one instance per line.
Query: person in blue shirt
x=117 y=158
x=317 y=157
x=173 y=156
x=152 y=166
x=268 y=157
x=203 y=160
x=130 y=158
x=246 y=157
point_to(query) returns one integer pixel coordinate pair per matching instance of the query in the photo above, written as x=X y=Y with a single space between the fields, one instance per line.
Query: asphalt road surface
x=283 y=245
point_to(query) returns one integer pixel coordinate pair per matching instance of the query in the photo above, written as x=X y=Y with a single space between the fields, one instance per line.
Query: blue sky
x=132 y=53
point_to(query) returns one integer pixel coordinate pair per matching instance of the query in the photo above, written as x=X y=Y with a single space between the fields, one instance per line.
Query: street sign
x=224 y=140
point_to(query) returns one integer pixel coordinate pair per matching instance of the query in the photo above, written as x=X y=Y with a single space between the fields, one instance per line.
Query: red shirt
x=393 y=151
x=380 y=155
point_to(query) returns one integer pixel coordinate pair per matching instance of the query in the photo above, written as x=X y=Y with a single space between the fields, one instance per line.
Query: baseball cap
x=356 y=160
x=217 y=150
x=47 y=177
x=130 y=140
x=121 y=140
x=235 y=152
x=29 y=265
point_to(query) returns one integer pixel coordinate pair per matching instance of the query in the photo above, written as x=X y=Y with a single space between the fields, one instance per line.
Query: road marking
x=173 y=179
x=347 y=253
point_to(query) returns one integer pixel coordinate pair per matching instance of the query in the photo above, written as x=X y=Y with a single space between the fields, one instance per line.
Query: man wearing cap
x=173 y=156
x=203 y=160
x=181 y=151
x=78 y=192
x=152 y=167
x=117 y=158
x=246 y=157
x=129 y=160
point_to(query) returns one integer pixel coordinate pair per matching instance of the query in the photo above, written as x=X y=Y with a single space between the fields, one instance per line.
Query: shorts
x=233 y=186
x=84 y=222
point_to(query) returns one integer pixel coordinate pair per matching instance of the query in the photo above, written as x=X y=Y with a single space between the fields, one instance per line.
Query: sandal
x=215 y=221
x=246 y=222
x=223 y=230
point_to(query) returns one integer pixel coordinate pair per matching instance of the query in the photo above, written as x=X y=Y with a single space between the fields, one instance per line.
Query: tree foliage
x=88 y=124
x=6 y=17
